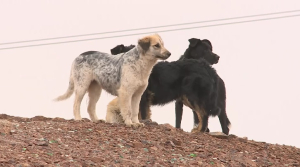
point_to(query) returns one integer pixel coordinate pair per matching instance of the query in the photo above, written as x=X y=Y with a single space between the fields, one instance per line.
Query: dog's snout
x=218 y=57
x=168 y=53
x=165 y=55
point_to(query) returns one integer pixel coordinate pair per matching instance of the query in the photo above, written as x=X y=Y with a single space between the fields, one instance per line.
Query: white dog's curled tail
x=68 y=93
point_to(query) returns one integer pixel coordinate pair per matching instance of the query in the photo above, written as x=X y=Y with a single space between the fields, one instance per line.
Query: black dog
x=194 y=82
x=196 y=50
x=121 y=49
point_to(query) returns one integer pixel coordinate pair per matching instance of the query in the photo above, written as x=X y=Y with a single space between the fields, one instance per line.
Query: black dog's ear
x=207 y=42
x=194 y=42
x=131 y=46
x=128 y=48
x=118 y=49
x=121 y=48
x=144 y=43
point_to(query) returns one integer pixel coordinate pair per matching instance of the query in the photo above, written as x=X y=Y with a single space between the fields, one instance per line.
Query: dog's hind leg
x=203 y=120
x=79 y=94
x=94 y=91
x=196 y=121
x=81 y=86
x=113 y=112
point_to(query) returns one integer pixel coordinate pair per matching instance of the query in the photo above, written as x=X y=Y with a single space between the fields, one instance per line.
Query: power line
x=214 y=25
x=170 y=25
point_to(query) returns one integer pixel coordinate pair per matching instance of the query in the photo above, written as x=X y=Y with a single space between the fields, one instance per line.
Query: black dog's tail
x=201 y=89
x=225 y=123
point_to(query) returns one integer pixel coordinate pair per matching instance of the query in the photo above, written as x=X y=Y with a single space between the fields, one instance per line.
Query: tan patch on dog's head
x=153 y=45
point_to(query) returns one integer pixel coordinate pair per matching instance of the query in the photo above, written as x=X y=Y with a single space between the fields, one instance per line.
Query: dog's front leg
x=178 y=113
x=125 y=105
x=135 y=103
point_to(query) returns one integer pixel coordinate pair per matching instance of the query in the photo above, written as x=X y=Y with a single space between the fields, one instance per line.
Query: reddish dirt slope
x=41 y=141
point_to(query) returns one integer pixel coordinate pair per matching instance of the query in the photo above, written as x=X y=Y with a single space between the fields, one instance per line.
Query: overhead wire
x=144 y=28
x=170 y=30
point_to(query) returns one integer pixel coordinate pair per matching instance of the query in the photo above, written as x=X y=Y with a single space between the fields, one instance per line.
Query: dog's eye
x=157 y=45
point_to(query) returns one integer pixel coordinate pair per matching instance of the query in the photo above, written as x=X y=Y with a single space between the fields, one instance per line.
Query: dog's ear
x=194 y=42
x=207 y=42
x=121 y=48
x=144 y=43
x=118 y=49
x=131 y=46
x=128 y=48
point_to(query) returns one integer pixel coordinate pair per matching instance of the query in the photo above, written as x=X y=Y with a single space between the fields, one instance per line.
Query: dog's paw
x=128 y=123
x=100 y=121
x=195 y=130
x=146 y=121
x=78 y=119
x=137 y=125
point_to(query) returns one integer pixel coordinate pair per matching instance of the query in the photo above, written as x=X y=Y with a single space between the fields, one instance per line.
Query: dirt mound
x=41 y=141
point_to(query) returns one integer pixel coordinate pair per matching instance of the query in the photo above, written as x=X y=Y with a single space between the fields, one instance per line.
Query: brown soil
x=41 y=141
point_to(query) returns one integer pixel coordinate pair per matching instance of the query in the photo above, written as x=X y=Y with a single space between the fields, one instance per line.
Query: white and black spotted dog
x=124 y=75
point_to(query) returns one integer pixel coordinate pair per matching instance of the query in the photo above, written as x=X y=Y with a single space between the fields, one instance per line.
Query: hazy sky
x=259 y=60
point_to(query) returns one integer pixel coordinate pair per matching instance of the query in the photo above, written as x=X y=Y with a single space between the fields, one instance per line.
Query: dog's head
x=201 y=49
x=121 y=49
x=153 y=46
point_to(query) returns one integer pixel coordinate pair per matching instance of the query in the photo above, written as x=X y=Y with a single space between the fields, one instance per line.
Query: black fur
x=221 y=102
x=121 y=49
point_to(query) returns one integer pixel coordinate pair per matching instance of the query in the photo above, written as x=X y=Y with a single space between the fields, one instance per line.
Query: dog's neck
x=185 y=54
x=147 y=62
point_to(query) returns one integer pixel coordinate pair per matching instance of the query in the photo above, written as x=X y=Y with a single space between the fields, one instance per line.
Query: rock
x=40 y=118
x=57 y=119
x=200 y=163
x=137 y=145
x=169 y=127
x=98 y=159
x=23 y=164
x=232 y=136
x=153 y=148
x=243 y=139
x=41 y=143
x=12 y=132
x=176 y=142
x=219 y=135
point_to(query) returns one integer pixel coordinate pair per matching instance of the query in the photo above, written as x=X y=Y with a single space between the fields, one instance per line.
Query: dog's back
x=103 y=67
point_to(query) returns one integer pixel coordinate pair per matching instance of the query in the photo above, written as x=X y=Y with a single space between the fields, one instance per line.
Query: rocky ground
x=41 y=141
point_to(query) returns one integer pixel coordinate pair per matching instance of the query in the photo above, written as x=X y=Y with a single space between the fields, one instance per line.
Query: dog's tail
x=68 y=93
